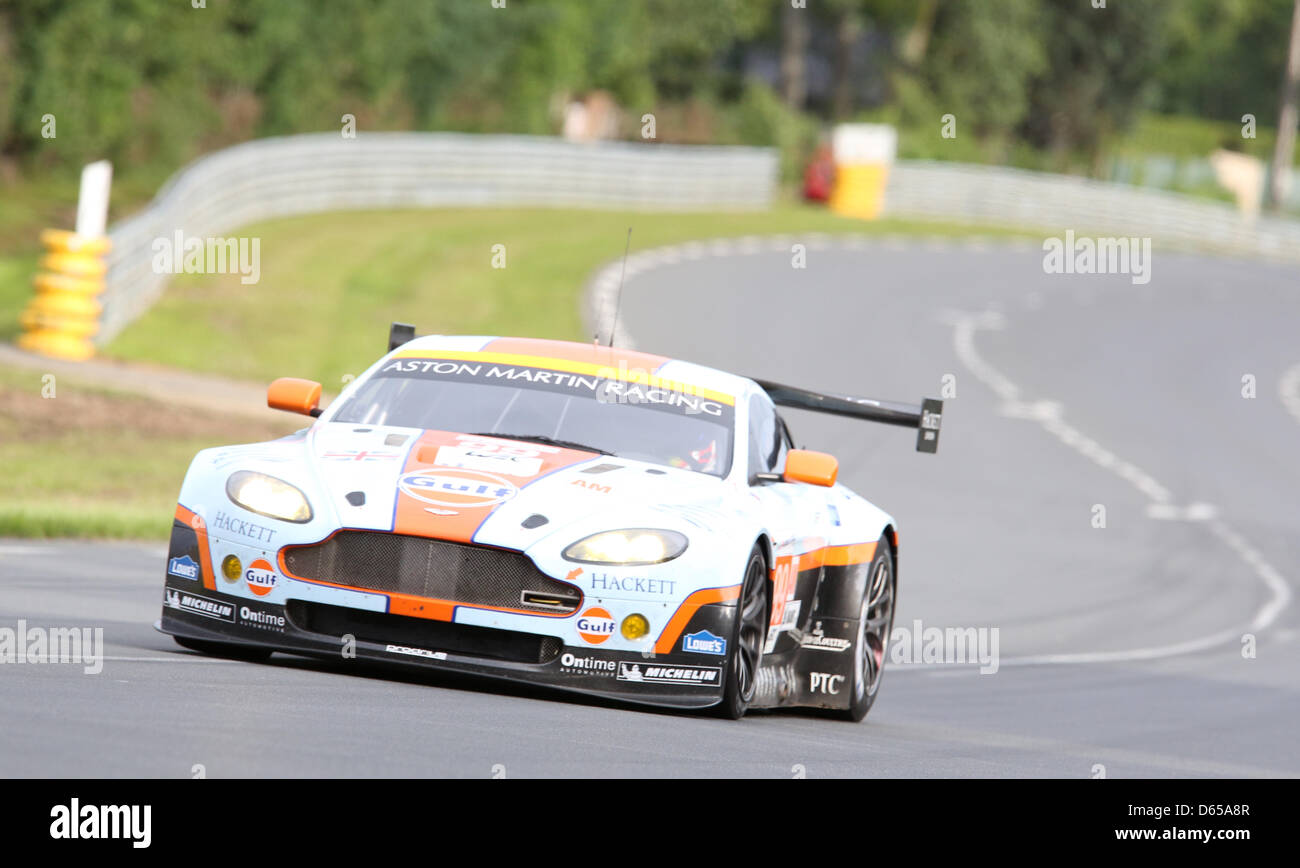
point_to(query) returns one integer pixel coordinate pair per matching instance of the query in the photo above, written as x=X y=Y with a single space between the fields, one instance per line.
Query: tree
x=1284 y=147
x=1099 y=73
x=794 y=46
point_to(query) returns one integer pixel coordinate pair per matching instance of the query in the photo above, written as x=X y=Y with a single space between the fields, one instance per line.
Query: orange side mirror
x=815 y=468
x=294 y=395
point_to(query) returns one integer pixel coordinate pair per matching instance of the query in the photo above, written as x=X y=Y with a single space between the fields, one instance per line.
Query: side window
x=787 y=439
x=767 y=446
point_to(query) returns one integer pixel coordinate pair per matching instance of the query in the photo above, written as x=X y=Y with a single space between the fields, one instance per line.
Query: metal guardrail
x=1046 y=202
x=279 y=177
x=1165 y=172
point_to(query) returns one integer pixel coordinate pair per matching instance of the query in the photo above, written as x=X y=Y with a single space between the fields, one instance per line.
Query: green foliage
x=1224 y=58
x=978 y=67
x=760 y=118
x=157 y=80
x=1050 y=83
x=1099 y=68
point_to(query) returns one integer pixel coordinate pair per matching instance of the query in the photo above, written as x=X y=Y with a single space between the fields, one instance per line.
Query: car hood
x=492 y=491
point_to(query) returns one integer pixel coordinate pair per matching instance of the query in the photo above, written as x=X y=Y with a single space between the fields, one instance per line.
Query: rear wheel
x=747 y=635
x=251 y=653
x=875 y=622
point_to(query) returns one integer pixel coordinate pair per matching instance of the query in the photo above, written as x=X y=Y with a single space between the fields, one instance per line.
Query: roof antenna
x=619 y=296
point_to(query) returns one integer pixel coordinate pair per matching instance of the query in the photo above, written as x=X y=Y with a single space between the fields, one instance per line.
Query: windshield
x=675 y=427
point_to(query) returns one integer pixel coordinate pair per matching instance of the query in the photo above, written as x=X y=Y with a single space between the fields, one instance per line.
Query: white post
x=92 y=203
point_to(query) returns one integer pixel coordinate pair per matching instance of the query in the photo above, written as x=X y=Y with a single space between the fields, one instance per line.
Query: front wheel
x=747 y=637
x=875 y=622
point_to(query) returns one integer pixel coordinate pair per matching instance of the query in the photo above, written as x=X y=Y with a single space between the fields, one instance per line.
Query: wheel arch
x=891 y=534
x=764 y=543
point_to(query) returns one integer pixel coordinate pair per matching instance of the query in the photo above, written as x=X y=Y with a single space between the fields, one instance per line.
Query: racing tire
x=250 y=653
x=875 y=623
x=748 y=634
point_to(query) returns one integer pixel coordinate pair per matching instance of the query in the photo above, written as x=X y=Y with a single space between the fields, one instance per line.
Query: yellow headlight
x=631 y=547
x=268 y=496
x=635 y=626
x=231 y=568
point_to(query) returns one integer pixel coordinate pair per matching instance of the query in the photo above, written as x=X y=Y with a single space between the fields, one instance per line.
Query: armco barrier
x=1053 y=203
x=278 y=177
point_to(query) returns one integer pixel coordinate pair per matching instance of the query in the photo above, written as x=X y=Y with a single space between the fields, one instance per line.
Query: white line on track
x=20 y=551
x=1049 y=415
x=603 y=287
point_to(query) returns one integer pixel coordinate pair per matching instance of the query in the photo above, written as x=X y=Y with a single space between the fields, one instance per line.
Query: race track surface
x=1162 y=644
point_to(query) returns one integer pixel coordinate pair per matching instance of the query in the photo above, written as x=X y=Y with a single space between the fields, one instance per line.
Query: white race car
x=593 y=519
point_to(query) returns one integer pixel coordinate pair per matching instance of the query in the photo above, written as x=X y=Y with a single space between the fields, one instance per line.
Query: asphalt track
x=1121 y=647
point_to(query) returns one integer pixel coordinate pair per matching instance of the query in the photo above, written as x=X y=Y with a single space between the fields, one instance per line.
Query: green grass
x=331 y=283
x=93 y=463
x=16 y=273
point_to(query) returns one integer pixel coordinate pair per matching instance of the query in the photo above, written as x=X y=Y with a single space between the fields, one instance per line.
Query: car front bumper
x=679 y=679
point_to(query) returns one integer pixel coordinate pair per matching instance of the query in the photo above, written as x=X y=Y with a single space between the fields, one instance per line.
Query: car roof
x=571 y=355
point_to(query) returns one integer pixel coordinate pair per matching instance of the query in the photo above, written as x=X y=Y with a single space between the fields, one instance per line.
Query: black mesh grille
x=473 y=575
x=461 y=639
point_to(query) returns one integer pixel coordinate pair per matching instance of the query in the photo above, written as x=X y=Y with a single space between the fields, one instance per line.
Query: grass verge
x=89 y=462
x=331 y=283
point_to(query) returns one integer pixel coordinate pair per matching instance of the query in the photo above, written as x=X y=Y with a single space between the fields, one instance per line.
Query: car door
x=796 y=517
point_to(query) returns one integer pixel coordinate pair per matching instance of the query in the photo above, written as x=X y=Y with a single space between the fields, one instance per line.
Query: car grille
x=464 y=640
x=468 y=574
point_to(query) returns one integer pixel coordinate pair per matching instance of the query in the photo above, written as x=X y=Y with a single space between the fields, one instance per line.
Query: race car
x=597 y=520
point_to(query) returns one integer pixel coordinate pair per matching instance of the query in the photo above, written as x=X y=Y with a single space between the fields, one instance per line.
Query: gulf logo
x=261 y=577
x=449 y=486
x=595 y=626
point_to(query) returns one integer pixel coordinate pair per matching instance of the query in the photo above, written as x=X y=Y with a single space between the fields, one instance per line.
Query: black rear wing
x=400 y=333
x=925 y=417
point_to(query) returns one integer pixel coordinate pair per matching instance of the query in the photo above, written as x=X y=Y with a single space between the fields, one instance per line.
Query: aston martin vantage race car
x=577 y=516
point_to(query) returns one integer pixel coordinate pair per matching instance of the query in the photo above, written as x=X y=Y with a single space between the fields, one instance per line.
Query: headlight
x=630 y=548
x=268 y=496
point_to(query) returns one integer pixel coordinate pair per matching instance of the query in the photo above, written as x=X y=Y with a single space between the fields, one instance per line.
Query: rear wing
x=400 y=333
x=925 y=417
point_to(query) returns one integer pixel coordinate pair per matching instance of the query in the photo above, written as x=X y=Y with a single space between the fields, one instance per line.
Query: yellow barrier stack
x=863 y=155
x=63 y=317
x=859 y=191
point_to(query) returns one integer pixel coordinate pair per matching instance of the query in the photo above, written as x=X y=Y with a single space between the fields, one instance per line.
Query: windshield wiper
x=542 y=438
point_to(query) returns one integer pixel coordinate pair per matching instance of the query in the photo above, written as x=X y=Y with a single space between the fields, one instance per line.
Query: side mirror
x=294 y=395
x=815 y=468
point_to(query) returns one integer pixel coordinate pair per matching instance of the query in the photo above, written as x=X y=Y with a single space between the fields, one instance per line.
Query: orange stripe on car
x=668 y=638
x=456 y=516
x=591 y=353
x=194 y=520
x=421 y=607
x=835 y=556
x=843 y=556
